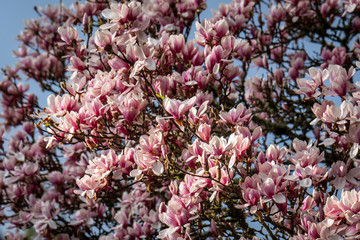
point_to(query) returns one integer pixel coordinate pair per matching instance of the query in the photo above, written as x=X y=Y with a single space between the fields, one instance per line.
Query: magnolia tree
x=250 y=130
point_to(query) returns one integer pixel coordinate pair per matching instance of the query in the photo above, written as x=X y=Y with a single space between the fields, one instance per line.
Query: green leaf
x=159 y=96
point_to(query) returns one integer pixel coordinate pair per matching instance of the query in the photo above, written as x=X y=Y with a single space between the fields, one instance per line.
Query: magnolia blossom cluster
x=239 y=133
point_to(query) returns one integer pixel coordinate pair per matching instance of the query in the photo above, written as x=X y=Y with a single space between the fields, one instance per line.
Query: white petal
x=328 y=142
x=216 y=68
x=213 y=195
x=313 y=122
x=354 y=150
x=291 y=177
x=20 y=156
x=135 y=173
x=158 y=168
x=109 y=14
x=306 y=182
x=191 y=83
x=150 y=64
x=274 y=209
x=253 y=209
x=232 y=161
x=279 y=198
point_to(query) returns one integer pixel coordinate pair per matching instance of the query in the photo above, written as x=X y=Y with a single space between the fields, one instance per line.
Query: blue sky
x=14 y=12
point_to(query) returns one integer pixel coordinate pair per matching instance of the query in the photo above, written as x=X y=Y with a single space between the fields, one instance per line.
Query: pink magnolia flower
x=82 y=217
x=213 y=60
x=103 y=39
x=175 y=215
x=56 y=177
x=252 y=197
x=297 y=64
x=337 y=56
x=14 y=235
x=60 y=104
x=44 y=214
x=350 y=205
x=275 y=154
x=102 y=84
x=130 y=103
x=211 y=33
x=154 y=144
x=340 y=79
x=76 y=64
x=101 y=167
x=120 y=13
x=89 y=186
x=332 y=115
x=306 y=154
x=238 y=115
x=178 y=108
x=219 y=146
x=199 y=115
x=191 y=189
x=176 y=43
x=309 y=87
x=146 y=161
x=350 y=6
x=204 y=132
x=126 y=160
x=68 y=34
